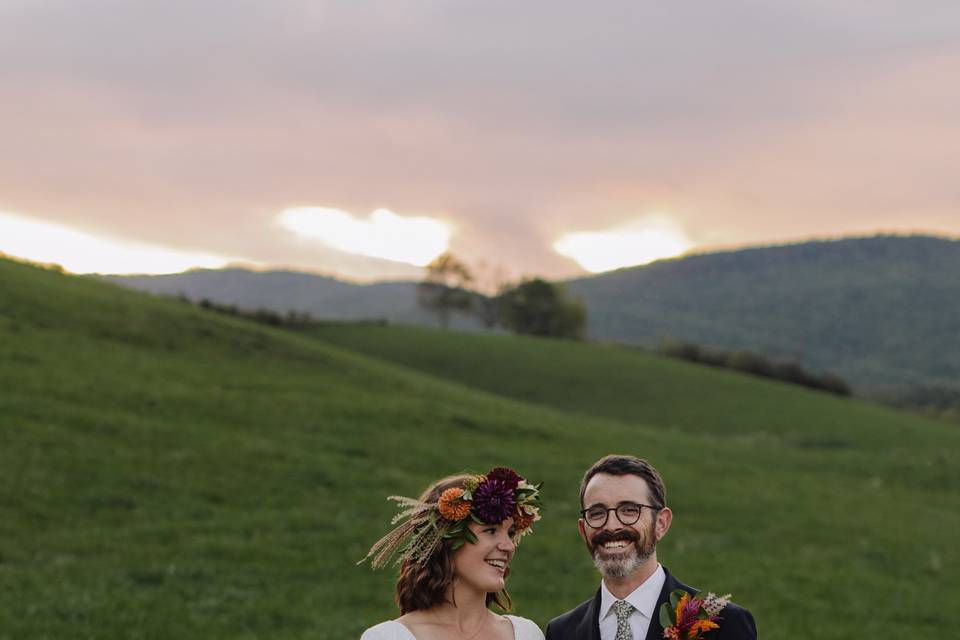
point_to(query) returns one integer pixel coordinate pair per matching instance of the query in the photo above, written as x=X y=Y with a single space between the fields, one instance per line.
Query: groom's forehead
x=611 y=490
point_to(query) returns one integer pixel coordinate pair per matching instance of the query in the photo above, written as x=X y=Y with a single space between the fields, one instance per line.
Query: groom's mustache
x=626 y=535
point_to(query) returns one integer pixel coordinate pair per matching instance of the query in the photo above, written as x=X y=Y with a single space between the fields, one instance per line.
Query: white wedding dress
x=523 y=629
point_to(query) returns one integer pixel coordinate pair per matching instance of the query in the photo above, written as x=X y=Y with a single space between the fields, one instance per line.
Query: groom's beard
x=622 y=564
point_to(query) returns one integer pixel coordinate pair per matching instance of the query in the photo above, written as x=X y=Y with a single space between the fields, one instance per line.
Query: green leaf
x=675 y=596
x=456 y=544
x=667 y=615
x=467 y=495
x=470 y=536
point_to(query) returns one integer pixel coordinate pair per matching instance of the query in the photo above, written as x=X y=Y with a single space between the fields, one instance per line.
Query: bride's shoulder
x=525 y=629
x=389 y=630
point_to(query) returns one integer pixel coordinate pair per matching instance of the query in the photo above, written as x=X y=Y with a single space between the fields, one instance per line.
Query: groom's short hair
x=620 y=465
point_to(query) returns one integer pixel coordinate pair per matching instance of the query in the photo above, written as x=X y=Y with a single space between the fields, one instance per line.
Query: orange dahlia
x=451 y=506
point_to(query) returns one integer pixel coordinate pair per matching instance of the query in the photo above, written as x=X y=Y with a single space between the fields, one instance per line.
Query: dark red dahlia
x=493 y=501
x=504 y=474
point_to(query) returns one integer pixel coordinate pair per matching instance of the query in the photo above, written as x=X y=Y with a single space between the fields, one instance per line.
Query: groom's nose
x=613 y=522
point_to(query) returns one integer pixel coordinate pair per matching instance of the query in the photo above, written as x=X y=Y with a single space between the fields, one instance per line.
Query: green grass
x=168 y=473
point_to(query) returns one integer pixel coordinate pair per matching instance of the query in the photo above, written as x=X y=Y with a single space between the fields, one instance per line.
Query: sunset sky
x=362 y=138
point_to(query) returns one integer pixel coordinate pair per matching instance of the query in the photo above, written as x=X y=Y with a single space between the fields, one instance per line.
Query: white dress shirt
x=644 y=601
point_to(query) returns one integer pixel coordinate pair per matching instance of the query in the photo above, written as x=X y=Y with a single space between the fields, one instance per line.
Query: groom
x=624 y=515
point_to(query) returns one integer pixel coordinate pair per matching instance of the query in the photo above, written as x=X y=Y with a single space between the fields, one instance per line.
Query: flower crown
x=486 y=499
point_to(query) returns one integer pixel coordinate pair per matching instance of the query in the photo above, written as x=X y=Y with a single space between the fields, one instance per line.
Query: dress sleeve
x=372 y=634
x=386 y=631
x=526 y=629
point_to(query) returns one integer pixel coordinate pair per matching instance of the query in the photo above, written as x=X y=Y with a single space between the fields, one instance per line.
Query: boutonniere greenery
x=687 y=617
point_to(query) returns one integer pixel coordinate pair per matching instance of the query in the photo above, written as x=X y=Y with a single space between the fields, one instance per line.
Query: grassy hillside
x=629 y=385
x=170 y=473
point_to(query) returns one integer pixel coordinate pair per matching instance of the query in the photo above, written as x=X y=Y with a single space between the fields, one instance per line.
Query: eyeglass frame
x=607 y=510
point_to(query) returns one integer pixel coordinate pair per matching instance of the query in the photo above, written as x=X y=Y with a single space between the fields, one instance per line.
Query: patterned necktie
x=623 y=609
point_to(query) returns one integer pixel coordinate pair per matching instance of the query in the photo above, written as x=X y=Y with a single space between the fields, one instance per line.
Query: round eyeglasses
x=627 y=513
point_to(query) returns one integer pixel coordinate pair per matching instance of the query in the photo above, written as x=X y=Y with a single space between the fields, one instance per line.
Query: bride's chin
x=487 y=585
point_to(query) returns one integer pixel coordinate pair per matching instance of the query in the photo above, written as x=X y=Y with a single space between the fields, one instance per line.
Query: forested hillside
x=877 y=311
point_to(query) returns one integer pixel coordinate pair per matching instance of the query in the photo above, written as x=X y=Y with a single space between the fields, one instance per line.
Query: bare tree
x=490 y=281
x=444 y=290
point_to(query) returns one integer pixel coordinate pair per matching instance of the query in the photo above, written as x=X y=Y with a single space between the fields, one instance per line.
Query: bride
x=454 y=547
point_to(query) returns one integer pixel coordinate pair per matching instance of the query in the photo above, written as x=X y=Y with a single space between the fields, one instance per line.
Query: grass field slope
x=166 y=472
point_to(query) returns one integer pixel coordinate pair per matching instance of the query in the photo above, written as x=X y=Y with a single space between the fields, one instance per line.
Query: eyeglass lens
x=627 y=513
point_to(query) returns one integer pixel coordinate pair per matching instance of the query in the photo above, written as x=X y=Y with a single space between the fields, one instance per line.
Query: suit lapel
x=589 y=626
x=655 y=631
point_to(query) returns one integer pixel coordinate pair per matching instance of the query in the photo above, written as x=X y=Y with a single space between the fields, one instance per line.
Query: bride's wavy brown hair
x=424 y=585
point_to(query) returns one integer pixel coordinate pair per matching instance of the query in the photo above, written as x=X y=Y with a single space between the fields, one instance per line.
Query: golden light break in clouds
x=82 y=252
x=386 y=235
x=651 y=238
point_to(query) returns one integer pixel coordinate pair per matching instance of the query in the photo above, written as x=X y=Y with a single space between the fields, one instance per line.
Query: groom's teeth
x=619 y=544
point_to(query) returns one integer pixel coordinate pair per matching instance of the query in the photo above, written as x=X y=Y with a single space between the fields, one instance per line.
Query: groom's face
x=619 y=549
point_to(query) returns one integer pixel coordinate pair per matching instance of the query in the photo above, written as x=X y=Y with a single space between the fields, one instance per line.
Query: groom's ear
x=582 y=527
x=664 y=519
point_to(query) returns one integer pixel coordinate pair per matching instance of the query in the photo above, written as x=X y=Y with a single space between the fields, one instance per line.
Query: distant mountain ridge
x=879 y=311
x=321 y=296
x=883 y=310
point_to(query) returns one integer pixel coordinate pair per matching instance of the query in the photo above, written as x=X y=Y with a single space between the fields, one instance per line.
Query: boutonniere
x=688 y=617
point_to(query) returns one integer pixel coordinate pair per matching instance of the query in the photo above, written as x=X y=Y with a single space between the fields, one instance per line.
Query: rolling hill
x=881 y=312
x=168 y=472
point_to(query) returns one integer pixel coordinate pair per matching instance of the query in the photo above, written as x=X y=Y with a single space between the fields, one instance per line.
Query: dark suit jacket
x=581 y=623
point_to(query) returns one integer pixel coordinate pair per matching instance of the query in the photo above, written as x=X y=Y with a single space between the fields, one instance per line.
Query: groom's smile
x=616 y=547
x=619 y=544
x=614 y=542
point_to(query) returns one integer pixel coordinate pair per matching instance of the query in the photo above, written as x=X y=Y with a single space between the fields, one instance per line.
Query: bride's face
x=484 y=565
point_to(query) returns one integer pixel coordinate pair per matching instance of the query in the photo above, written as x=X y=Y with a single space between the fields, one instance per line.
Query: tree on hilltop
x=540 y=308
